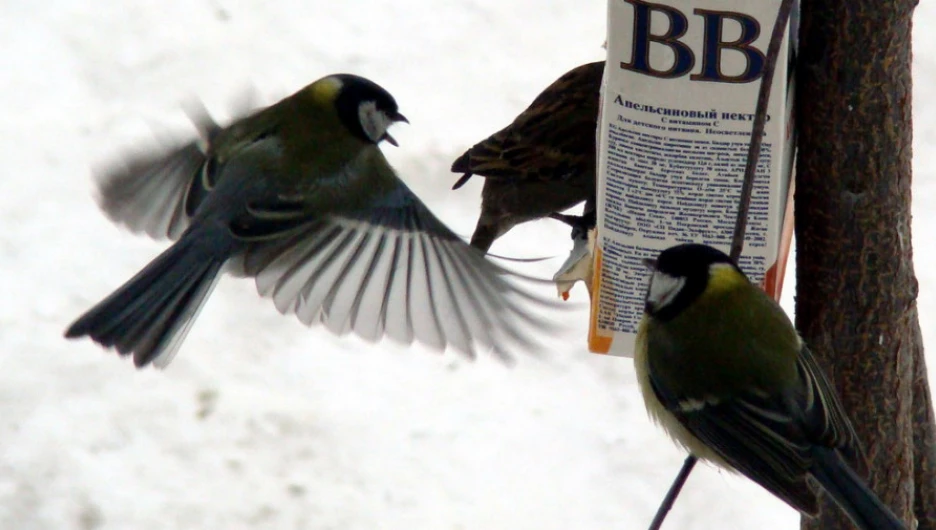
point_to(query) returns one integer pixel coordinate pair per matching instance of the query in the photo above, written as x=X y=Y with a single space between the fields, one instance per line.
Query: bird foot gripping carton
x=678 y=101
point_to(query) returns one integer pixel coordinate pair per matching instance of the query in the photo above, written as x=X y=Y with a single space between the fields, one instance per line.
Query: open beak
x=391 y=140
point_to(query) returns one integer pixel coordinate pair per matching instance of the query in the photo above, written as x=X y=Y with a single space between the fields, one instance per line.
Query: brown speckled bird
x=543 y=162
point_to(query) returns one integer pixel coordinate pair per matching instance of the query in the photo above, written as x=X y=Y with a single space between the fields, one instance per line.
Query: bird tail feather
x=852 y=494
x=151 y=313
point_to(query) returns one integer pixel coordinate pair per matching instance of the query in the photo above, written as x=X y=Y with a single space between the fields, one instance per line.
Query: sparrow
x=542 y=163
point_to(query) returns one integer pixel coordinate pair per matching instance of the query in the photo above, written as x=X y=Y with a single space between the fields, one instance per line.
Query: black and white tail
x=150 y=315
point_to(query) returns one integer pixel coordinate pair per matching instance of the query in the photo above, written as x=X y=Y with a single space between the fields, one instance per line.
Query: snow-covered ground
x=261 y=422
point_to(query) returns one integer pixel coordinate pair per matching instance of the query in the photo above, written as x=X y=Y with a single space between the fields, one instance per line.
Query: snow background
x=261 y=422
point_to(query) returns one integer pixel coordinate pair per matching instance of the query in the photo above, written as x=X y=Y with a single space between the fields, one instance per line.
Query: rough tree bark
x=856 y=303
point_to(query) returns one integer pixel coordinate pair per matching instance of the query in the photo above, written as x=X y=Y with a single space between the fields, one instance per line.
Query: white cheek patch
x=373 y=121
x=663 y=289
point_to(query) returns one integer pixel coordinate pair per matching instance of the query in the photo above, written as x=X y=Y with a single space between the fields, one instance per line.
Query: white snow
x=261 y=422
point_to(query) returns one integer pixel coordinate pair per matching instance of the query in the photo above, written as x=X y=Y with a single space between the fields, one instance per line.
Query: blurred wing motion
x=543 y=162
x=392 y=270
x=148 y=194
x=157 y=191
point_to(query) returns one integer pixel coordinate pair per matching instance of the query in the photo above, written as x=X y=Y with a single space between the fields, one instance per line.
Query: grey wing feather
x=395 y=270
x=148 y=193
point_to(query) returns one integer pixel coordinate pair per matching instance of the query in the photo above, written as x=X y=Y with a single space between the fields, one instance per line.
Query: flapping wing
x=157 y=191
x=147 y=193
x=392 y=270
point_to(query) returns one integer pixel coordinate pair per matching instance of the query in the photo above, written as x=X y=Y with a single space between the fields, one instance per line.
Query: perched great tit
x=542 y=163
x=299 y=196
x=725 y=373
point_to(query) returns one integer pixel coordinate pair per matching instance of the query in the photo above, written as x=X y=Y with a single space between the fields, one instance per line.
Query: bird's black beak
x=649 y=263
x=396 y=116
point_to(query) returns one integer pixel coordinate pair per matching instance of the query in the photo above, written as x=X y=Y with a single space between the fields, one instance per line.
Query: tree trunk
x=856 y=303
x=924 y=437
